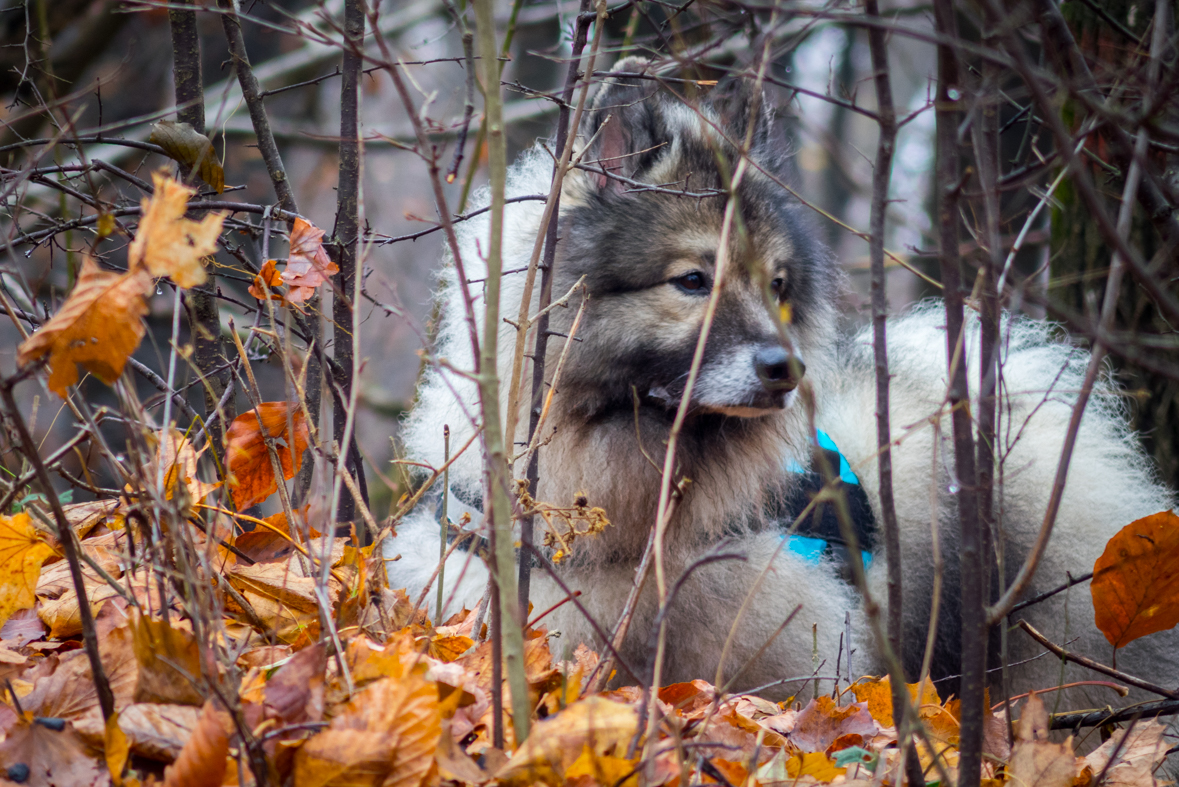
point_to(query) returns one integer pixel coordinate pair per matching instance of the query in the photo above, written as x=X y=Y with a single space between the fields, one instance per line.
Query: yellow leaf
x=179 y=459
x=878 y=695
x=1136 y=580
x=555 y=743
x=21 y=554
x=117 y=747
x=182 y=143
x=814 y=764
x=98 y=326
x=106 y=224
x=603 y=768
x=167 y=244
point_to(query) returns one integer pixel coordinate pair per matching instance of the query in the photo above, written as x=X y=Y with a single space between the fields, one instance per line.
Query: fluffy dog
x=649 y=261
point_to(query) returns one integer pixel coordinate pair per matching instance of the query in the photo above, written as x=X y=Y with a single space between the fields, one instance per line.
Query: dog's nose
x=777 y=369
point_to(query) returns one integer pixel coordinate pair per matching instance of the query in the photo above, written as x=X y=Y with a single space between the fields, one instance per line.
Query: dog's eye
x=778 y=287
x=691 y=282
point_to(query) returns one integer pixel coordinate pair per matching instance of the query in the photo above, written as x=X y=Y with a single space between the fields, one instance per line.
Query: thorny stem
x=106 y=699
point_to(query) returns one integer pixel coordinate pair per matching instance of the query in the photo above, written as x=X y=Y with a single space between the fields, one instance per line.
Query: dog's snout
x=778 y=369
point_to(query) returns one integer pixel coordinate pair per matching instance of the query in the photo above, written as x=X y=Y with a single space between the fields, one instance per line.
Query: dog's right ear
x=624 y=129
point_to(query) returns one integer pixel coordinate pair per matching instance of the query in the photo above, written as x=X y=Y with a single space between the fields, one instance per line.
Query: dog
x=640 y=223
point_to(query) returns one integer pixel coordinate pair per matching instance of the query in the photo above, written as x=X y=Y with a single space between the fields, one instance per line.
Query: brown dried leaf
x=251 y=473
x=203 y=759
x=54 y=758
x=1139 y=754
x=98 y=326
x=386 y=734
x=1135 y=583
x=169 y=663
x=181 y=142
x=821 y=722
x=168 y=244
x=69 y=693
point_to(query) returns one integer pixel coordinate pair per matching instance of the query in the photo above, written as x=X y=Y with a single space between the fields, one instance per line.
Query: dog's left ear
x=624 y=129
x=733 y=103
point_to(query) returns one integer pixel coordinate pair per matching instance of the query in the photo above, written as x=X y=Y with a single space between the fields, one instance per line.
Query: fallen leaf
x=308 y=265
x=554 y=744
x=168 y=244
x=386 y=734
x=1140 y=749
x=271 y=542
x=267 y=278
x=1135 y=583
x=69 y=693
x=21 y=554
x=251 y=473
x=821 y=722
x=878 y=695
x=203 y=759
x=53 y=757
x=116 y=748
x=169 y=663
x=157 y=732
x=98 y=326
x=181 y=142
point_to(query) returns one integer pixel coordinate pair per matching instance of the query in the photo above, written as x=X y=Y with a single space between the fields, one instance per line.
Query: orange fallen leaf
x=1135 y=583
x=202 y=761
x=251 y=474
x=168 y=244
x=386 y=734
x=98 y=326
x=271 y=278
x=308 y=265
x=21 y=554
x=822 y=722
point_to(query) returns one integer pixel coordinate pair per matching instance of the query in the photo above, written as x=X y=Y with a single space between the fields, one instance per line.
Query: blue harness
x=817 y=537
x=819 y=534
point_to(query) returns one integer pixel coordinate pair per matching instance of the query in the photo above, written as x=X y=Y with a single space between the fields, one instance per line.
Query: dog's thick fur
x=638 y=335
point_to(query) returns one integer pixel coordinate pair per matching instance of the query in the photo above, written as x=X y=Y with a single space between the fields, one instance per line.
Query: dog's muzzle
x=778 y=370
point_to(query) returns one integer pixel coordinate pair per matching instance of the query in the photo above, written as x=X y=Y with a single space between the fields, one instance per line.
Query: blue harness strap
x=819 y=534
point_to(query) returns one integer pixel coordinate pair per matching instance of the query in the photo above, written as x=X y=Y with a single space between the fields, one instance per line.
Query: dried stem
x=347 y=240
x=106 y=699
x=498 y=506
x=881 y=179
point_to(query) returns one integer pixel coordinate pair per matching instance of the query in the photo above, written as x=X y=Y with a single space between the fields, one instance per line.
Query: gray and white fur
x=643 y=253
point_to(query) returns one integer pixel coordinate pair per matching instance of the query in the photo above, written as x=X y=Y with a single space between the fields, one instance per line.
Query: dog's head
x=643 y=223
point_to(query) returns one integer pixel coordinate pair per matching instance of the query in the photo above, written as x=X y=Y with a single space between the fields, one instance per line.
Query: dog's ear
x=733 y=103
x=624 y=129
